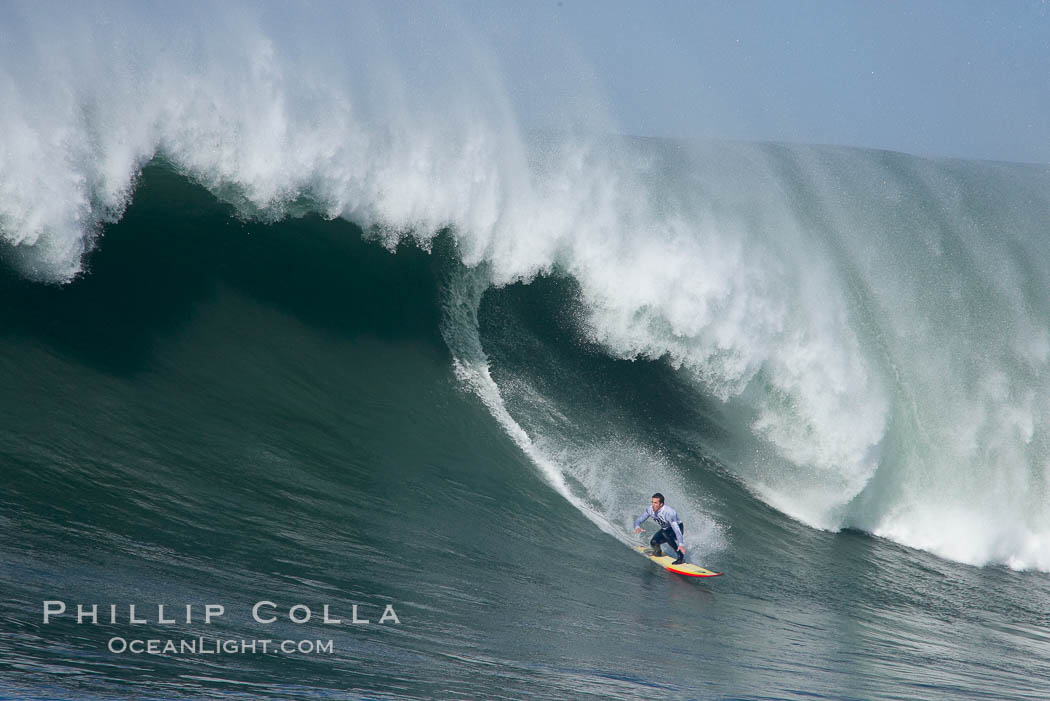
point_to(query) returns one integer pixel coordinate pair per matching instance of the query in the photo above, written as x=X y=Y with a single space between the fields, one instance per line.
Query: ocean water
x=283 y=321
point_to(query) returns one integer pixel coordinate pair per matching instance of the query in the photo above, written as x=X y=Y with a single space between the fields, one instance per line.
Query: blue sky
x=967 y=79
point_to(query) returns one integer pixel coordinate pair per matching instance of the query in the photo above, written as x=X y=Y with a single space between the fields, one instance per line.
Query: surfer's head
x=658 y=501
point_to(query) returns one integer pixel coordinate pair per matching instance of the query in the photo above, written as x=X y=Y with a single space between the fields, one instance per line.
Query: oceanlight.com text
x=218 y=646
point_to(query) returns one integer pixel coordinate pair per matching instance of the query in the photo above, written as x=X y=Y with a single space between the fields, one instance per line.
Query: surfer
x=671 y=527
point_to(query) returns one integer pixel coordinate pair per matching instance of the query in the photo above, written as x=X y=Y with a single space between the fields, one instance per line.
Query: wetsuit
x=671 y=527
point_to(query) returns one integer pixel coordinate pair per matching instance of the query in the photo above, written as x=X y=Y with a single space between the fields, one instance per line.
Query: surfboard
x=686 y=568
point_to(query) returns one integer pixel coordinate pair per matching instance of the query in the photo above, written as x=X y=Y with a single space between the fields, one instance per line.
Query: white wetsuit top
x=666 y=517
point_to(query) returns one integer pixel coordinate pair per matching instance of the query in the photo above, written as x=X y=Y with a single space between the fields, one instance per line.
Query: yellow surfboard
x=687 y=569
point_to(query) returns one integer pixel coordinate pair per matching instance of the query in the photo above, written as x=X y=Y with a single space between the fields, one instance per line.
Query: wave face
x=868 y=328
x=222 y=411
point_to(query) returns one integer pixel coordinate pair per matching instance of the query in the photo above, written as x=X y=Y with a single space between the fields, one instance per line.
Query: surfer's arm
x=672 y=520
x=678 y=535
x=641 y=519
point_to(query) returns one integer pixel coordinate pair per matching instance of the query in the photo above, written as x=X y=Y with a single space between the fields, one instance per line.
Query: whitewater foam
x=876 y=322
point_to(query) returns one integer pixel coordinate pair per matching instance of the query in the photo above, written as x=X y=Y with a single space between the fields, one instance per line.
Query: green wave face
x=223 y=410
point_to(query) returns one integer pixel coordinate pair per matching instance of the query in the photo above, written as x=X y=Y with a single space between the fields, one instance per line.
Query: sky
x=957 y=79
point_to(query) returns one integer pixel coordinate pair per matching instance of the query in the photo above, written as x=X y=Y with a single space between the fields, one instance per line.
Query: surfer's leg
x=656 y=541
x=670 y=539
x=673 y=542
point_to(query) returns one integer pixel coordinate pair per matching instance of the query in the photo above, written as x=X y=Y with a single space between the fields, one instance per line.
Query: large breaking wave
x=873 y=324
